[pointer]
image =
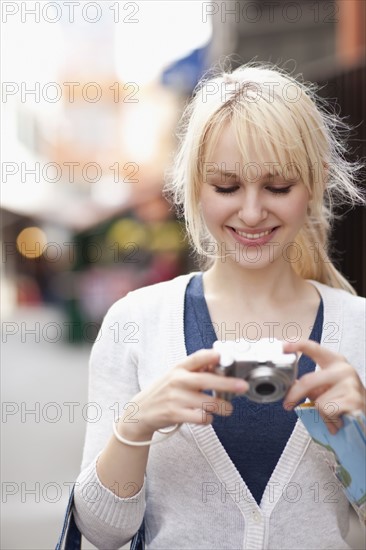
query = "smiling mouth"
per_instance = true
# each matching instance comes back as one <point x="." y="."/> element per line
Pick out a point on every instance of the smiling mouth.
<point x="253" y="236"/>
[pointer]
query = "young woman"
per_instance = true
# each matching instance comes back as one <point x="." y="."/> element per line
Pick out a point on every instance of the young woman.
<point x="257" y="175"/>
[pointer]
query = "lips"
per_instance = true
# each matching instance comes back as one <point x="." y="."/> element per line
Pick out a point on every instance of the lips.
<point x="253" y="237"/>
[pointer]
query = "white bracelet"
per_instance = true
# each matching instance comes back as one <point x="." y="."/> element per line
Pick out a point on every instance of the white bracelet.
<point x="166" y="431"/>
<point x="169" y="430"/>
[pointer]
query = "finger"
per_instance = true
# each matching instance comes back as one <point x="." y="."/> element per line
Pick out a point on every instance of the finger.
<point x="200" y="381"/>
<point x="196" y="416"/>
<point x="200" y="359"/>
<point x="331" y="413"/>
<point x="331" y="409"/>
<point x="218" y="407"/>
<point x="320" y="355"/>
<point x="335" y="426"/>
<point x="339" y="400"/>
<point x="199" y="416"/>
<point x="208" y="404"/>
<point x="313" y="384"/>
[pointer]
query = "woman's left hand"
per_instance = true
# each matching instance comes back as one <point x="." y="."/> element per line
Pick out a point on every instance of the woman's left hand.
<point x="336" y="388"/>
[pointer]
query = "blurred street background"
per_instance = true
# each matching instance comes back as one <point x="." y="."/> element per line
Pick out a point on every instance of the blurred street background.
<point x="91" y="96"/>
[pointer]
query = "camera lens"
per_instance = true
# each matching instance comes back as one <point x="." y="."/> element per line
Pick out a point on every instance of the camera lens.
<point x="265" y="388"/>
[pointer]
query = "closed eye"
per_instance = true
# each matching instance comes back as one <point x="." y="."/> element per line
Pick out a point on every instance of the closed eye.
<point x="233" y="188"/>
<point x="279" y="190"/>
<point x="226" y="190"/>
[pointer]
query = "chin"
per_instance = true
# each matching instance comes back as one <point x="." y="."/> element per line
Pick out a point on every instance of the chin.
<point x="251" y="260"/>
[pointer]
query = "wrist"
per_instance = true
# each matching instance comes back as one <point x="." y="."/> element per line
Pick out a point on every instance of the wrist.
<point x="134" y="431"/>
<point x="136" y="442"/>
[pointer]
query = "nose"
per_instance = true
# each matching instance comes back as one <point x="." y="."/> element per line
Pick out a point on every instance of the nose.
<point x="252" y="210"/>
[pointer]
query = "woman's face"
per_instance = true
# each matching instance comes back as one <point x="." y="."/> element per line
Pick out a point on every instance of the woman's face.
<point x="253" y="211"/>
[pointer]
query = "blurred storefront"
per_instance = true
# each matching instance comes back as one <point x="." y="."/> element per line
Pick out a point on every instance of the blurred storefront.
<point x="84" y="220"/>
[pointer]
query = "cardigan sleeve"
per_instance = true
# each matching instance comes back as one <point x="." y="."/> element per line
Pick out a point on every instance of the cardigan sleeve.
<point x="105" y="519"/>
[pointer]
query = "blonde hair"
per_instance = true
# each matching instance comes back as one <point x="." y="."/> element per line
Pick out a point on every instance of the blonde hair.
<point x="293" y="123"/>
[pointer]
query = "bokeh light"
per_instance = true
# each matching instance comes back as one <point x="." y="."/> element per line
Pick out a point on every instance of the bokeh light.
<point x="31" y="242"/>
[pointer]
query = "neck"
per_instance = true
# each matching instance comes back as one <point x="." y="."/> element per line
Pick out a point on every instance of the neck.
<point x="273" y="285"/>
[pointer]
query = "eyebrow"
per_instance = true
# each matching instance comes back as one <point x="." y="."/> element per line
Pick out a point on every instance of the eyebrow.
<point x="227" y="173"/>
<point x="230" y="174"/>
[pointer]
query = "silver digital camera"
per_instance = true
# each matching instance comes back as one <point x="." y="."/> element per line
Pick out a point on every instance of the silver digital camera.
<point x="268" y="371"/>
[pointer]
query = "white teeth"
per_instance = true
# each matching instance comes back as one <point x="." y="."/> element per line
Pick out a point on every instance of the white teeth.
<point x="253" y="235"/>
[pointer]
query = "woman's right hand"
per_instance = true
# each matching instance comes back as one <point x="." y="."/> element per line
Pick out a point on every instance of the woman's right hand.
<point x="177" y="397"/>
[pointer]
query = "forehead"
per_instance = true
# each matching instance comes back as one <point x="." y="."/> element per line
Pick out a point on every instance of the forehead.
<point x="227" y="149"/>
<point x="245" y="153"/>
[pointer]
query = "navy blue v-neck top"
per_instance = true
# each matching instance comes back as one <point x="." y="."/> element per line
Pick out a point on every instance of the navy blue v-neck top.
<point x="254" y="435"/>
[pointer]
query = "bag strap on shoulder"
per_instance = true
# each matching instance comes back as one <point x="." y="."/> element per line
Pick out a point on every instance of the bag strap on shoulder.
<point x="69" y="529"/>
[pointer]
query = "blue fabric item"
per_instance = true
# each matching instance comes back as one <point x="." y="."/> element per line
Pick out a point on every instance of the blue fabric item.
<point x="183" y="74"/>
<point x="255" y="435"/>
<point x="70" y="534"/>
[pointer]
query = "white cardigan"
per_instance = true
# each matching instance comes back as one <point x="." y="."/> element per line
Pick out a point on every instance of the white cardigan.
<point x="193" y="497"/>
